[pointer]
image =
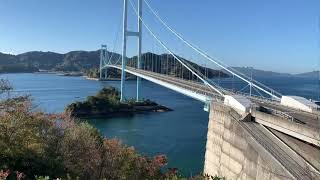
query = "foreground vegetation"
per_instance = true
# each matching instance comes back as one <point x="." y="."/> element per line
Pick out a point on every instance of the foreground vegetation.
<point x="35" y="145"/>
<point x="106" y="103"/>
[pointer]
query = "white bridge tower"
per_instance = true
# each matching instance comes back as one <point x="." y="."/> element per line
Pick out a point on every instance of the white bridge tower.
<point x="127" y="33"/>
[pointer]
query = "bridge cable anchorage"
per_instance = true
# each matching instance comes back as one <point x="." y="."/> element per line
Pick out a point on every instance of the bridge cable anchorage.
<point x="167" y="49"/>
<point x="219" y="63"/>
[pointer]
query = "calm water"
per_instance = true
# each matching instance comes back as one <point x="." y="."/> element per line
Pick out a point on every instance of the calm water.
<point x="180" y="134"/>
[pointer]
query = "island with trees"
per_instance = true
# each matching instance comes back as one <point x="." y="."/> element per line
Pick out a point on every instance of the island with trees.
<point x="106" y="103"/>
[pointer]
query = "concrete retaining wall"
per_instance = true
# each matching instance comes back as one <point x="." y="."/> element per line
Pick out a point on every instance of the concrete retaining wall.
<point x="232" y="153"/>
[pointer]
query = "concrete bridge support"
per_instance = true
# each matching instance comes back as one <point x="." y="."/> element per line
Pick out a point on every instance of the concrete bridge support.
<point x="231" y="152"/>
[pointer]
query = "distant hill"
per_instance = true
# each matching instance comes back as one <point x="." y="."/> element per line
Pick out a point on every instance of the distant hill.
<point x="313" y="75"/>
<point x="260" y="73"/>
<point x="166" y="64"/>
<point x="7" y="59"/>
<point x="88" y="62"/>
<point x="35" y="60"/>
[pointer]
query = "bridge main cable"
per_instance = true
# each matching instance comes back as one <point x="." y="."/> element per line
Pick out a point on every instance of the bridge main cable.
<point x="167" y="49"/>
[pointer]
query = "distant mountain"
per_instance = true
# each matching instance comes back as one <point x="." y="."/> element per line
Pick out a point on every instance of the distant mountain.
<point x="313" y="75"/>
<point x="166" y="64"/>
<point x="6" y="59"/>
<point x="88" y="62"/>
<point x="35" y="60"/>
<point x="260" y="73"/>
<point x="41" y="60"/>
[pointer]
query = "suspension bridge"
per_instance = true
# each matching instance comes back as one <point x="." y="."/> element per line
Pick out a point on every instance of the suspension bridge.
<point x="253" y="133"/>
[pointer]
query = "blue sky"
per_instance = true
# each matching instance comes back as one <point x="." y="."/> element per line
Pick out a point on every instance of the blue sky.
<point x="278" y="35"/>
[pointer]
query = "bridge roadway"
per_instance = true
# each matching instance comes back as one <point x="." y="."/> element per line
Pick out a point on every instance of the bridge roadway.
<point x="308" y="119"/>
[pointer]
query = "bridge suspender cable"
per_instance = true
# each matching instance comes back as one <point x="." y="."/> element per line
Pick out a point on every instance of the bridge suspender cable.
<point x="204" y="54"/>
<point x="166" y="48"/>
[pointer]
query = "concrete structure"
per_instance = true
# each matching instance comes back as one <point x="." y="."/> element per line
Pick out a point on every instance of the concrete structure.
<point x="299" y="103"/>
<point x="302" y="131"/>
<point x="240" y="148"/>
<point x="239" y="103"/>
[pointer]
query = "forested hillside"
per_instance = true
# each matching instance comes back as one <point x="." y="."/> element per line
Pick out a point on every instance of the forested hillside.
<point x="88" y="62"/>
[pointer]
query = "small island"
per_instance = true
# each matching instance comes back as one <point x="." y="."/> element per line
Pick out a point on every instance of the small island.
<point x="106" y="103"/>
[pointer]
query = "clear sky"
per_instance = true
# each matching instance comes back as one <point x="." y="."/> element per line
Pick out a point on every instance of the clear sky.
<point x="279" y="35"/>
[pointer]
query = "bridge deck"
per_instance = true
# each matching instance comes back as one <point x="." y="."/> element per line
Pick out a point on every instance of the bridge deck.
<point x="308" y="119"/>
